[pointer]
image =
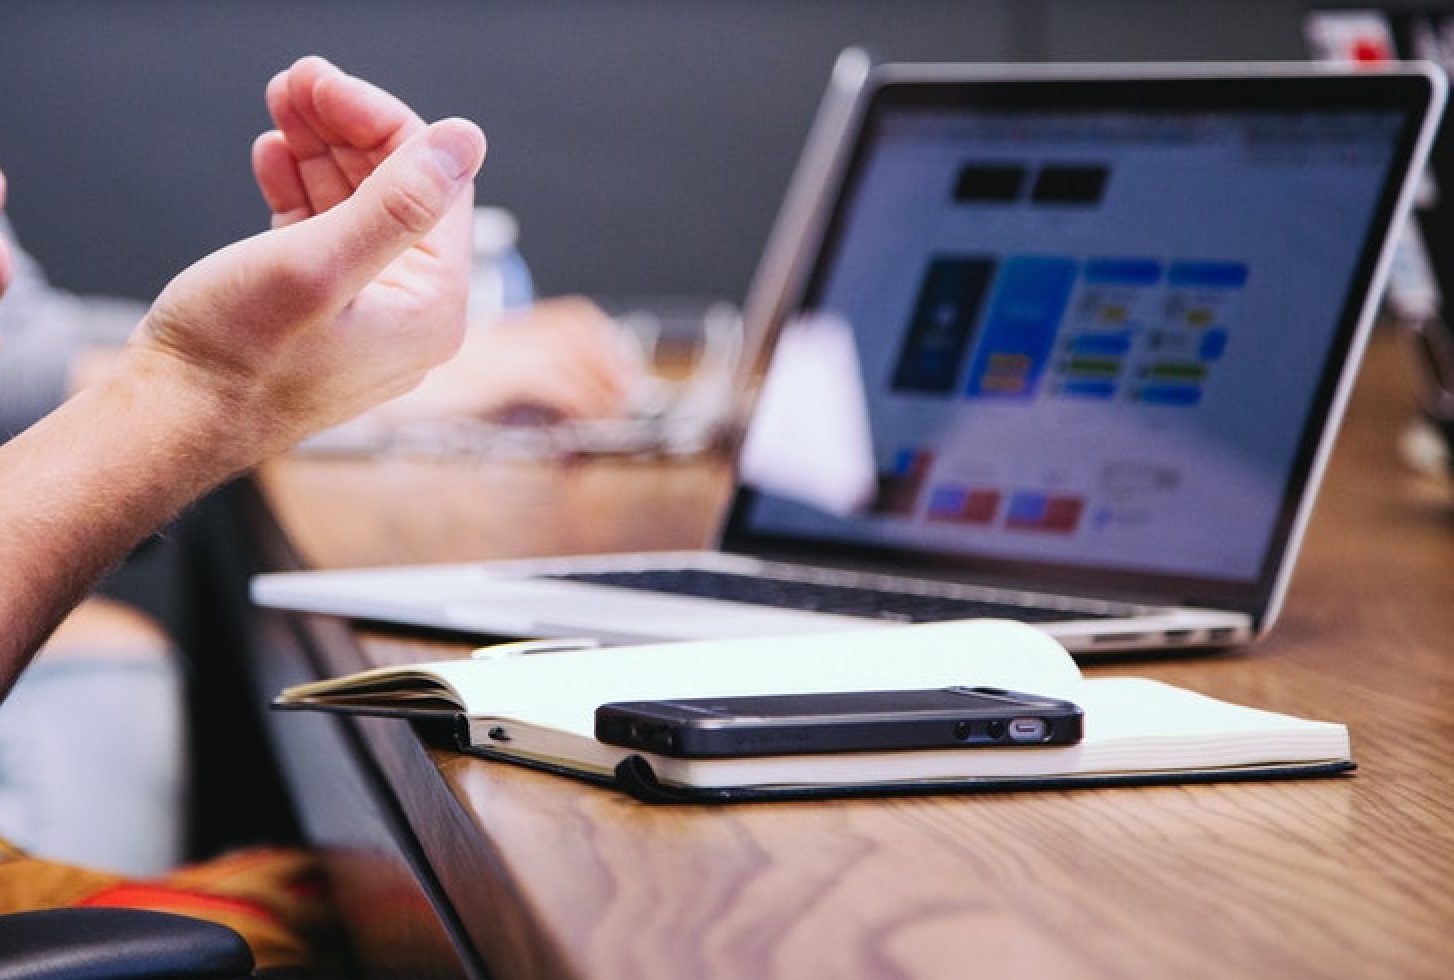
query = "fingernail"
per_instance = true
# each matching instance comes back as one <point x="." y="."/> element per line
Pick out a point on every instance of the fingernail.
<point x="456" y="147"/>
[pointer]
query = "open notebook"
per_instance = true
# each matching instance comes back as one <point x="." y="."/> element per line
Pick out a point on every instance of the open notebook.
<point x="539" y="709"/>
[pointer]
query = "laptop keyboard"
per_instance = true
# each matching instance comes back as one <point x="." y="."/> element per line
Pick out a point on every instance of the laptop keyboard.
<point x="843" y="600"/>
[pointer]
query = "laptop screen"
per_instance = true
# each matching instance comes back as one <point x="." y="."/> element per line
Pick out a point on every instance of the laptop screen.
<point x="1099" y="326"/>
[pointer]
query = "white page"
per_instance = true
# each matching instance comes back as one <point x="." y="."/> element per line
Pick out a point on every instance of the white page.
<point x="563" y="690"/>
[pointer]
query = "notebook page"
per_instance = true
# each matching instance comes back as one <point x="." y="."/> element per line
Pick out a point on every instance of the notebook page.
<point x="1132" y="723"/>
<point x="562" y="690"/>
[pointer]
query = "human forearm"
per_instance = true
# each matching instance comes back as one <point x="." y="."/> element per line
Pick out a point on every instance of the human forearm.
<point x="82" y="486"/>
<point x="354" y="295"/>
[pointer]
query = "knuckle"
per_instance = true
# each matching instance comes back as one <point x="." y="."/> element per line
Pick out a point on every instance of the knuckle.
<point x="411" y="205"/>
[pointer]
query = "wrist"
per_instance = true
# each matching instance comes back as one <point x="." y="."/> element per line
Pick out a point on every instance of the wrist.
<point x="181" y="414"/>
<point x="89" y="365"/>
<point x="85" y="483"/>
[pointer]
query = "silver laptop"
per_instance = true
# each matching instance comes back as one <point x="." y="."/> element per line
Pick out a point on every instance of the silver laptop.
<point x="1106" y="320"/>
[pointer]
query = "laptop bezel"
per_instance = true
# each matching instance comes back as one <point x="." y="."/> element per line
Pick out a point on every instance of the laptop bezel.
<point x="1417" y="89"/>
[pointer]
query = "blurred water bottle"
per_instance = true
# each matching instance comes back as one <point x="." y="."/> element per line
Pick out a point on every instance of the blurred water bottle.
<point x="499" y="278"/>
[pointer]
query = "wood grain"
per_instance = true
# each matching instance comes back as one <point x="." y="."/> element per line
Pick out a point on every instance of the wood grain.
<point x="1322" y="878"/>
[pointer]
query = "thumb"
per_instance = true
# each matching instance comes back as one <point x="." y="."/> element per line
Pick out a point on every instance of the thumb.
<point x="398" y="205"/>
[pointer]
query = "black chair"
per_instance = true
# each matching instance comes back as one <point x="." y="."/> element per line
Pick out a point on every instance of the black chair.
<point x="124" y="944"/>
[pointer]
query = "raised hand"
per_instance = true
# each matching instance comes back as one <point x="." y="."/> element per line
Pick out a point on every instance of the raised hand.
<point x="360" y="287"/>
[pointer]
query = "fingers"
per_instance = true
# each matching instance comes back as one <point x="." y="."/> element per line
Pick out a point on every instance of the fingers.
<point x="302" y="139"/>
<point x="303" y="78"/>
<point x="358" y="123"/>
<point x="399" y="205"/>
<point x="599" y="347"/>
<point x="580" y="392"/>
<point x="577" y="365"/>
<point x="291" y="106"/>
<point x="368" y="123"/>
<point x="599" y="383"/>
<point x="276" y="170"/>
<point x="337" y="127"/>
<point x="551" y="380"/>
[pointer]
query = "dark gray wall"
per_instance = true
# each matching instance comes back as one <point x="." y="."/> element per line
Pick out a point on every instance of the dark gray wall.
<point x="644" y="143"/>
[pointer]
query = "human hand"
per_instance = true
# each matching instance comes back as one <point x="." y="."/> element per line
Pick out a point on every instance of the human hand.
<point x="357" y="291"/>
<point x="563" y="357"/>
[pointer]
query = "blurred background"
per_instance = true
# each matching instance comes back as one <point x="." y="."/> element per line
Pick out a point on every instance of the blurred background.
<point x="644" y="145"/>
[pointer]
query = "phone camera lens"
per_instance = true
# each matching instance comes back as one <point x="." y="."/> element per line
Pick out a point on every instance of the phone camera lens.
<point x="995" y="730"/>
<point x="962" y="731"/>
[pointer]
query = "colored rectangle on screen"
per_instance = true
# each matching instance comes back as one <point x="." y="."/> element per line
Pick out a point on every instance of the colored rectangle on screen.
<point x="1208" y="275"/>
<point x="1075" y="185"/>
<point x="1177" y="371"/>
<point x="1213" y="345"/>
<point x="945" y="501"/>
<point x="1171" y="395"/>
<point x="1089" y="389"/>
<point x="1122" y="272"/>
<point x="1101" y="344"/>
<point x="1062" y="514"/>
<point x="1103" y="367"/>
<point x="1031" y="511"/>
<point x="944" y="319"/>
<point x="1026" y="509"/>
<point x="990" y="183"/>
<point x="1019" y="332"/>
<point x="962" y="505"/>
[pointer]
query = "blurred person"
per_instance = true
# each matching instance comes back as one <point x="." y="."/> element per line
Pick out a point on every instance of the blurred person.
<point x="561" y="357"/>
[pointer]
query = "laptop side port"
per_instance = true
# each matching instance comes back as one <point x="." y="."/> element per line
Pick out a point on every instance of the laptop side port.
<point x="1107" y="639"/>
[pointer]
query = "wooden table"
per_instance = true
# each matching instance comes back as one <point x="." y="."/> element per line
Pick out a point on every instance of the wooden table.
<point x="451" y="865"/>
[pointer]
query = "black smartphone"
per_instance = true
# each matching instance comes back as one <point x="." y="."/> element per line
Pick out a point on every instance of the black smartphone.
<point x="850" y="721"/>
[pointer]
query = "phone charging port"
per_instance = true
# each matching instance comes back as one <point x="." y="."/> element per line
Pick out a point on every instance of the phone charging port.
<point x="1028" y="729"/>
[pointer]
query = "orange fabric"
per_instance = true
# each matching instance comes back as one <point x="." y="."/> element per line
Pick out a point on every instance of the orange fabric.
<point x="272" y="897"/>
<point x="178" y="900"/>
